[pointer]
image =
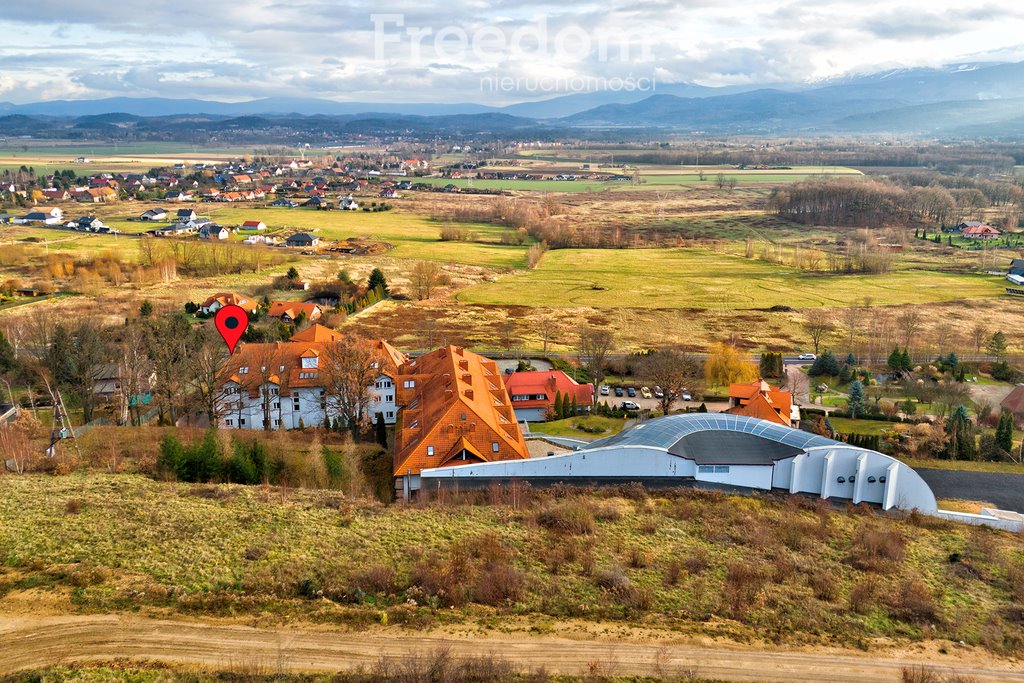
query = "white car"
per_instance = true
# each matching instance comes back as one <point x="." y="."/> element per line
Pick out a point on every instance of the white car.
<point x="604" y="390"/>
<point x="630" y="405"/>
<point x="686" y="396"/>
<point x="806" y="356"/>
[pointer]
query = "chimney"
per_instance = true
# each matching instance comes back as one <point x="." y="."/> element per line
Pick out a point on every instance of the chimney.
<point x="469" y="393"/>
<point x="467" y="378"/>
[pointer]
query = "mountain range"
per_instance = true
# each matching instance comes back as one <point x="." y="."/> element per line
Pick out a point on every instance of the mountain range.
<point x="985" y="99"/>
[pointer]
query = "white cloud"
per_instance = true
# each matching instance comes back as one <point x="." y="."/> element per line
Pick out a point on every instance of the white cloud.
<point x="222" y="49"/>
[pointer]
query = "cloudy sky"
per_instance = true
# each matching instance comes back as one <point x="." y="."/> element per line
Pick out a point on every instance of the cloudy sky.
<point x="450" y="51"/>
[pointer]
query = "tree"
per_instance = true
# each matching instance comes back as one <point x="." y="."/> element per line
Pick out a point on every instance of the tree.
<point x="348" y="369"/>
<point x="205" y="368"/>
<point x="996" y="345"/>
<point x="979" y="333"/>
<point x="376" y="280"/>
<point x="558" y="409"/>
<point x="960" y="436"/>
<point x="146" y="308"/>
<point x="293" y="273"/>
<point x="725" y="365"/>
<point x="855" y="400"/>
<point x="426" y="275"/>
<point x="910" y="321"/>
<point x="824" y="365"/>
<point x="90" y="354"/>
<point x="772" y="364"/>
<point x="381" y="431"/>
<point x="170" y="343"/>
<point x="672" y="371"/>
<point x="8" y="361"/>
<point x="905" y="363"/>
<point x="895" y="361"/>
<point x="592" y="350"/>
<point x="1004" y="431"/>
<point x="818" y="325"/>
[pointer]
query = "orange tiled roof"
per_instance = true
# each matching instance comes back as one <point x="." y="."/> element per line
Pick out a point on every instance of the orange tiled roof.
<point x="281" y="362"/>
<point x="231" y="299"/>
<point x="548" y="383"/>
<point x="761" y="400"/>
<point x="457" y="407"/>
<point x="292" y="309"/>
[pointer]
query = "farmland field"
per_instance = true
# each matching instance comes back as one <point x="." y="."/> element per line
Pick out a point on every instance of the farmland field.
<point x="690" y="278"/>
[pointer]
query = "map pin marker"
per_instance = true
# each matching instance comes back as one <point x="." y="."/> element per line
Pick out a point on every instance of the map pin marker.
<point x="231" y="322"/>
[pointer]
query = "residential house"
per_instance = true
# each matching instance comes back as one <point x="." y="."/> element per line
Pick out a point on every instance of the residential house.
<point x="1014" y="403"/>
<point x="259" y="239"/>
<point x="54" y="194"/>
<point x="176" y="230"/>
<point x="282" y="203"/>
<point x="254" y="225"/>
<point x="761" y="400"/>
<point x="318" y="203"/>
<point x="963" y="225"/>
<point x="302" y="239"/>
<point x="42" y="214"/>
<point x="153" y="215"/>
<point x="286" y="383"/>
<point x="454" y="410"/>
<point x="1016" y="267"/>
<point x="980" y="232"/>
<point x="87" y="223"/>
<point x="96" y="195"/>
<point x="213" y="232"/>
<point x="186" y="215"/>
<point x="289" y="311"/>
<point x="222" y="299"/>
<point x="348" y="203"/>
<point x="179" y="196"/>
<point x="533" y="394"/>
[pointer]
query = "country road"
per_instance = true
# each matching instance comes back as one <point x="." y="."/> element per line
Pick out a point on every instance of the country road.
<point x="34" y="642"/>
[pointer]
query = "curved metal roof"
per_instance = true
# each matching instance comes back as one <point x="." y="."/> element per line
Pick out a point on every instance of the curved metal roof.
<point x="665" y="432"/>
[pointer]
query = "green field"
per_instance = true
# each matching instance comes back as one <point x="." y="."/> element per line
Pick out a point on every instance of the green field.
<point x="693" y="278"/>
<point x="649" y="179"/>
<point x="570" y="427"/>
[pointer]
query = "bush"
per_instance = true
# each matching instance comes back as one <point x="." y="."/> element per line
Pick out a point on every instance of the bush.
<point x="913" y="601"/>
<point x="612" y="579"/>
<point x="875" y="548"/>
<point x="498" y="585"/>
<point x="379" y="579"/>
<point x="863" y="595"/>
<point x="743" y="583"/>
<point x="567" y="518"/>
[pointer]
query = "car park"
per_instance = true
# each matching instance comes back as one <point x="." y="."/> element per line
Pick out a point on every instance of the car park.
<point x="630" y="405"/>
<point x="806" y="356"/>
<point x="618" y="391"/>
<point x="645" y="392"/>
<point x="631" y="392"/>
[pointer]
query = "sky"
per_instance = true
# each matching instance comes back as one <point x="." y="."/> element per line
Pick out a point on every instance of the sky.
<point x="486" y="51"/>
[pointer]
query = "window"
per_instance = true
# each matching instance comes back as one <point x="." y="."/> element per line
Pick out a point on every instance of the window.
<point x="308" y="375"/>
<point x="430" y="451"/>
<point x="410" y="383"/>
<point x="390" y="398"/>
<point x="229" y="423"/>
<point x="312" y="362"/>
<point x="242" y="422"/>
<point x="295" y="403"/>
<point x="387" y="384"/>
<point x="276" y="406"/>
<point x="281" y="369"/>
<point x="277" y="423"/>
<point x="713" y="469"/>
<point x="391" y="414"/>
<point x="495" y="446"/>
<point x="244" y="370"/>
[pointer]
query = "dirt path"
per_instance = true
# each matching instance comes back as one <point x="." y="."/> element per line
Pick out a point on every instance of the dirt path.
<point x="33" y="642"/>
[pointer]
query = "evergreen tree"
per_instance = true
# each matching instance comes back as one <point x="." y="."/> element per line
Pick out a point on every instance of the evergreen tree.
<point x="844" y="374"/>
<point x="851" y="359"/>
<point x="381" y="431"/>
<point x="825" y="364"/>
<point x="557" y="410"/>
<point x="7" y="360"/>
<point x="905" y="363"/>
<point x="702" y="408"/>
<point x="293" y="273"/>
<point x="895" y="361"/>
<point x="574" y="408"/>
<point x="146" y="308"/>
<point x="855" y="401"/>
<point x="376" y="280"/>
<point x="996" y="345"/>
<point x="60" y="357"/>
<point x="1004" y="431"/>
<point x="960" y="436"/>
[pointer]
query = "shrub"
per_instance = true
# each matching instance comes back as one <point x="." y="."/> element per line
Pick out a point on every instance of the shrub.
<point x="743" y="583"/>
<point x="672" y="572"/>
<point x="863" y="595"/>
<point x="497" y="585"/>
<point x="874" y="548"/>
<point x="913" y="601"/>
<point x="378" y="579"/>
<point x="824" y="585"/>
<point x="567" y="518"/>
<point x="612" y="578"/>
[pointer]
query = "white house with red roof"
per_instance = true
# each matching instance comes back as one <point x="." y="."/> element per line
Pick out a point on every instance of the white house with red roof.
<point x="534" y="393"/>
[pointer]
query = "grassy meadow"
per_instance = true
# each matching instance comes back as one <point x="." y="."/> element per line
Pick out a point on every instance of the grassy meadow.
<point x="701" y="563"/>
<point x="699" y="279"/>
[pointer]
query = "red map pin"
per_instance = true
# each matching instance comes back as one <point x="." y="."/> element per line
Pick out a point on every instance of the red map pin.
<point x="231" y="322"/>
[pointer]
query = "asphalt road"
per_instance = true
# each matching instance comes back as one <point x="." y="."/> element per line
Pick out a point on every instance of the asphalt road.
<point x="1005" y="491"/>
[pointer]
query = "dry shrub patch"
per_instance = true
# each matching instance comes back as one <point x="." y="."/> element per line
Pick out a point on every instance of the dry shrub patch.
<point x="875" y="548"/>
<point x="570" y="517"/>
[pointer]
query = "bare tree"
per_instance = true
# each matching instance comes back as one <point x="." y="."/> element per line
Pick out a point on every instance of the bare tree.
<point x="819" y="325"/>
<point x="133" y="368"/>
<point x="170" y="343"/>
<point x="909" y="322"/>
<point x="207" y="365"/>
<point x="426" y="275"/>
<point x="592" y="350"/>
<point x="507" y="330"/>
<point x="979" y="333"/>
<point x="546" y="329"/>
<point x="673" y="372"/>
<point x="349" y="368"/>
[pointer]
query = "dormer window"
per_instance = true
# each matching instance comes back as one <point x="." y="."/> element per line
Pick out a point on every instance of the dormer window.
<point x="311" y="362"/>
<point x="243" y="370"/>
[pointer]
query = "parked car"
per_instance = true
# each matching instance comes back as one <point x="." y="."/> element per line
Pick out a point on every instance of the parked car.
<point x="631" y="392"/>
<point x="604" y="390"/>
<point x="630" y="405"/>
<point x="645" y="392"/>
<point x="806" y="356"/>
<point x="658" y="393"/>
<point x="618" y="391"/>
<point x="686" y="396"/>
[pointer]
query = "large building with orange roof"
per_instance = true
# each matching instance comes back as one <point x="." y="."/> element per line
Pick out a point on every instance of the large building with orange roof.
<point x="221" y="299"/>
<point x="455" y="410"/>
<point x="761" y="400"/>
<point x="283" y="383"/>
